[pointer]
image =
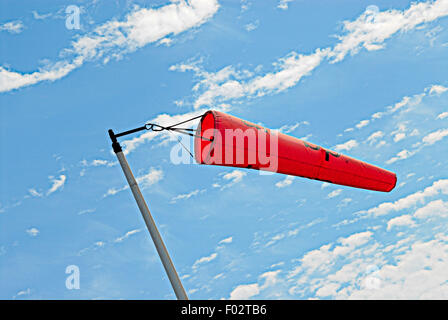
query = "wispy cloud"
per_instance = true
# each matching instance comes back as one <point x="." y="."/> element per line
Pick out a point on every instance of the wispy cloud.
<point x="334" y="193"/>
<point x="13" y="27"/>
<point x="98" y="163"/>
<point x="246" y="291"/>
<point x="32" y="231"/>
<point x="375" y="136"/>
<point x="362" y="124"/>
<point x="440" y="186"/>
<point x="252" y="26"/>
<point x="443" y="115"/>
<point x="358" y="267"/>
<point x="404" y="220"/>
<point x="22" y="293"/>
<point x="346" y="146"/>
<point x="86" y="211"/>
<point x="287" y="128"/>
<point x="35" y="193"/>
<point x="146" y="180"/>
<point x="206" y="259"/>
<point x="369" y="31"/>
<point x="285" y="182"/>
<point x="437" y="89"/>
<point x="43" y="16"/>
<point x="435" y="136"/>
<point x="427" y="140"/>
<point x="284" y="4"/>
<point x="113" y="39"/>
<point x="186" y="196"/>
<point x="58" y="183"/>
<point x="236" y="176"/>
<point x="226" y="240"/>
<point x="97" y="245"/>
<point x="127" y="235"/>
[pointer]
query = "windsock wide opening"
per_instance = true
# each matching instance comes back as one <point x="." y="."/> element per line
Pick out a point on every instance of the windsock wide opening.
<point x="203" y="147"/>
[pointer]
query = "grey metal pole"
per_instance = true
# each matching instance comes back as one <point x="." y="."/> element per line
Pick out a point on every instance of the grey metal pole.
<point x="150" y="223"/>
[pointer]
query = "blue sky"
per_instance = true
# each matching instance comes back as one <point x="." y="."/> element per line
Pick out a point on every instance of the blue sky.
<point x="367" y="79"/>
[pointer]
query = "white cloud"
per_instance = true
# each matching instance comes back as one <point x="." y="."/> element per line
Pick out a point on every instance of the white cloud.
<point x="435" y="136"/>
<point x="346" y="145"/>
<point x="114" y="191"/>
<point x="99" y="244"/>
<point x="277" y="237"/>
<point x="35" y="193"/>
<point x="226" y="240"/>
<point x="245" y="5"/>
<point x="359" y="269"/>
<point x="375" y="136"/>
<point x="419" y="273"/>
<point x="437" y="89"/>
<point x="115" y="38"/>
<point x="228" y="84"/>
<point x="357" y="239"/>
<point x="285" y="182"/>
<point x="26" y="292"/>
<point x="321" y="259"/>
<point x="427" y="140"/>
<point x="235" y="177"/>
<point x="12" y="27"/>
<point x="402" y="155"/>
<point x="334" y="193"/>
<point x="433" y="208"/>
<point x="206" y="259"/>
<point x="98" y="163"/>
<point x="86" y="211"/>
<point x="362" y="124"/>
<point x="284" y="4"/>
<point x="10" y="80"/>
<point x="380" y="144"/>
<point x="325" y="185"/>
<point x="127" y="235"/>
<point x="32" y="232"/>
<point x="440" y="186"/>
<point x="290" y="128"/>
<point x="153" y="176"/>
<point x="58" y="183"/>
<point x="372" y="28"/>
<point x="404" y="220"/>
<point x="186" y="196"/>
<point x="344" y="202"/>
<point x="39" y="16"/>
<point x="245" y="291"/>
<point x="399" y="136"/>
<point x="252" y="26"/>
<point x="443" y="115"/>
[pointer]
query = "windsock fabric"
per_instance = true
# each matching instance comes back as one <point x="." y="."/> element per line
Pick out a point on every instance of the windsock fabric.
<point x="239" y="143"/>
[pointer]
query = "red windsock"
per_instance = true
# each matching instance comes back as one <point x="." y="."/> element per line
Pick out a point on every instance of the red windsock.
<point x="225" y="140"/>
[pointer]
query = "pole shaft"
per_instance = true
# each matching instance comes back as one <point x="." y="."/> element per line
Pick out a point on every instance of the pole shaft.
<point x="152" y="228"/>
